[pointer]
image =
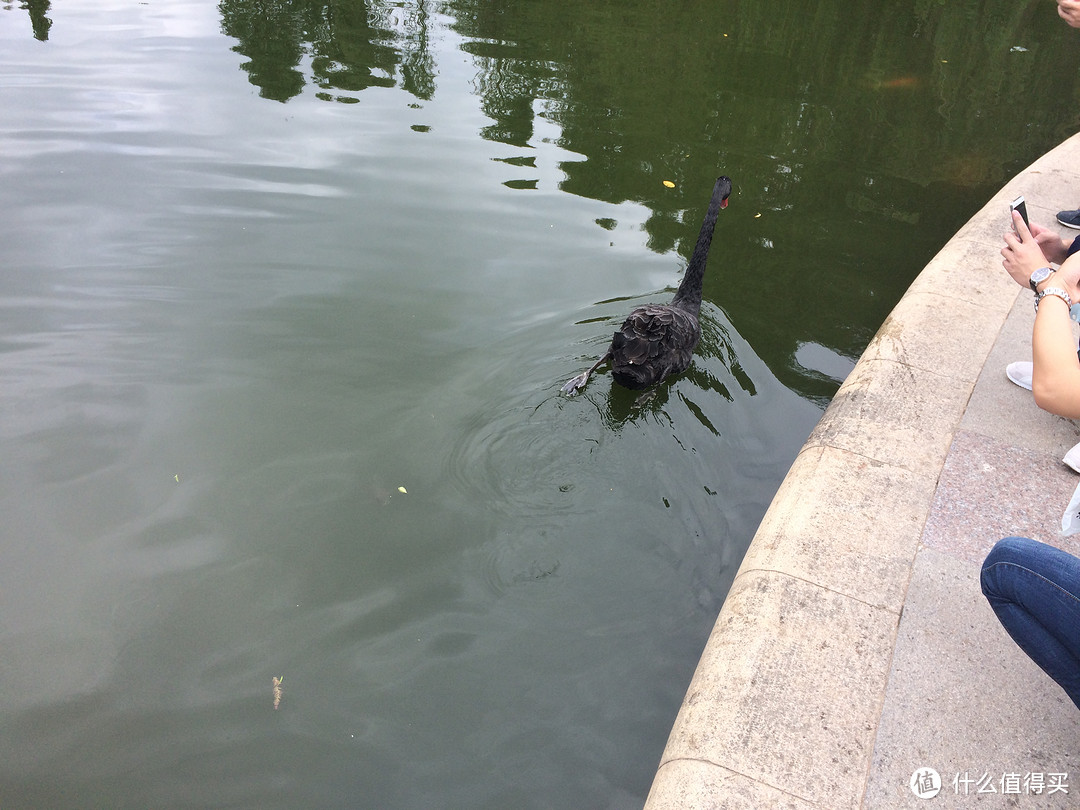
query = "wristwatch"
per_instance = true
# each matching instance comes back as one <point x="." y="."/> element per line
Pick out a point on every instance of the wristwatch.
<point x="1039" y="276"/>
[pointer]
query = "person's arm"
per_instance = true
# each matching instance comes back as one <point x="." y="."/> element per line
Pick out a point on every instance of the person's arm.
<point x="1056" y="369"/>
<point x="1055" y="379"/>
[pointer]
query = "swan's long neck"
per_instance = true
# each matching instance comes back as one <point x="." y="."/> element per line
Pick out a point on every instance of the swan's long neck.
<point x="688" y="296"/>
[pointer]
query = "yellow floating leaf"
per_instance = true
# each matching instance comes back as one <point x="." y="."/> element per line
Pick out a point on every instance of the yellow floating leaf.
<point x="403" y="491"/>
<point x="757" y="215"/>
<point x="177" y="477"/>
<point x="669" y="184"/>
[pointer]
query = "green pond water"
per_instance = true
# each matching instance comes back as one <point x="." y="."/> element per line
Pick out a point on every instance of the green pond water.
<point x="287" y="294"/>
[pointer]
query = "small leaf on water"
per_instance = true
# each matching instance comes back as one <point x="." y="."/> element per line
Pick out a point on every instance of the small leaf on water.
<point x="403" y="490"/>
<point x="669" y="184"/>
<point x="278" y="690"/>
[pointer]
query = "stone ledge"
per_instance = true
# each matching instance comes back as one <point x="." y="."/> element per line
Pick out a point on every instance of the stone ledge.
<point x="845" y="522"/>
<point x="779" y="638"/>
<point x="893" y="413"/>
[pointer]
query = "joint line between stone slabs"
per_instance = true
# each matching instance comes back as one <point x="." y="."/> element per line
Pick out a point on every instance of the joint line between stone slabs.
<point x="913" y="367"/>
<point x="735" y="772"/>
<point x="841" y="594"/>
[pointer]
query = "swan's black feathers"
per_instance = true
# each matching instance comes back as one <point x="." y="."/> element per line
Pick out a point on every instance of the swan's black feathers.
<point x="658" y="340"/>
<point x="654" y="342"/>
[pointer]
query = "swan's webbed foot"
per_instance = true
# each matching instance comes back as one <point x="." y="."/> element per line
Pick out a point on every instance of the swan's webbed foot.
<point x="577" y="383"/>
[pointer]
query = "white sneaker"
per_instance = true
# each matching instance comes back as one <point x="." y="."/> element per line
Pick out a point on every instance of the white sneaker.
<point x="1072" y="459"/>
<point x="1020" y="373"/>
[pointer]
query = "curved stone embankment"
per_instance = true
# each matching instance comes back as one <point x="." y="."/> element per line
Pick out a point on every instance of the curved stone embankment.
<point x="785" y="706"/>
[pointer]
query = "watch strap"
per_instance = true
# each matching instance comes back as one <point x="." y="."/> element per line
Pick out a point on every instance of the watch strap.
<point x="1057" y="292"/>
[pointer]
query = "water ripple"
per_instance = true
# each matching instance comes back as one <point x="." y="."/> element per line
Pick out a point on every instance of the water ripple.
<point x="524" y="461"/>
<point x="530" y="559"/>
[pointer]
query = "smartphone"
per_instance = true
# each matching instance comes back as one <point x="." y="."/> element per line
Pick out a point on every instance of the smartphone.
<point x="1019" y="205"/>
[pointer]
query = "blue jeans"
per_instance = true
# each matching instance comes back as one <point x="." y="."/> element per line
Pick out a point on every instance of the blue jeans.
<point x="1035" y="591"/>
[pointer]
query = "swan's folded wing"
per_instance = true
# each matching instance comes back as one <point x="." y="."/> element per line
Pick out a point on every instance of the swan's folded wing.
<point x="654" y="332"/>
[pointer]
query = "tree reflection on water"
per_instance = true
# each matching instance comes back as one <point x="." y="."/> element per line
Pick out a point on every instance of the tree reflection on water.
<point x="860" y="127"/>
<point x="350" y="46"/>
<point x="38" y="20"/>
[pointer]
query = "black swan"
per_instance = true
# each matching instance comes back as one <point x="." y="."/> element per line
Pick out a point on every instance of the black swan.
<point x="658" y="340"/>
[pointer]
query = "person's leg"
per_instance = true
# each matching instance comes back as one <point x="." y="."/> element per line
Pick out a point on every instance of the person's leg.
<point x="1035" y="591"/>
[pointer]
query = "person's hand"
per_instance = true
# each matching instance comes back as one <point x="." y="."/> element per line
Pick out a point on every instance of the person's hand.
<point x="1053" y="246"/>
<point x="1022" y="254"/>
<point x="1069" y="11"/>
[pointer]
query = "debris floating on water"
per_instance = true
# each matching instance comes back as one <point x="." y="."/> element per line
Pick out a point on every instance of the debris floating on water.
<point x="278" y="691"/>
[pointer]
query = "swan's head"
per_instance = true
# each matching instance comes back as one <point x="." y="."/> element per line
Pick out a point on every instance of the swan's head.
<point x="723" y="186"/>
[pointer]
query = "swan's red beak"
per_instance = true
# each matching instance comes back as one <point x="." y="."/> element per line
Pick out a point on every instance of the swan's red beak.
<point x="723" y="203"/>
